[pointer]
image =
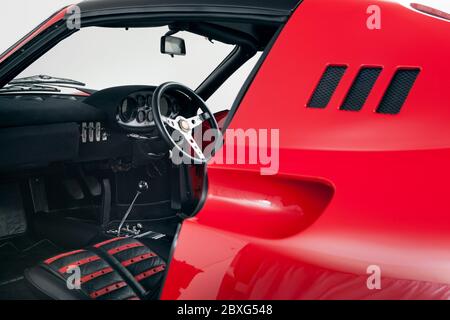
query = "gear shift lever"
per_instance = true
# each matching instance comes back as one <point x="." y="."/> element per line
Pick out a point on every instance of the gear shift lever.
<point x="142" y="187"/>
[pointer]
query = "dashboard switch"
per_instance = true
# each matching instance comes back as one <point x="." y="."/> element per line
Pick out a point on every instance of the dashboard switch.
<point x="98" y="132"/>
<point x="84" y="132"/>
<point x="91" y="132"/>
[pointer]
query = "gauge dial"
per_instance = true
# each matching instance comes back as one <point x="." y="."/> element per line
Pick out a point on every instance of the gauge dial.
<point x="141" y="116"/>
<point x="126" y="109"/>
<point x="141" y="101"/>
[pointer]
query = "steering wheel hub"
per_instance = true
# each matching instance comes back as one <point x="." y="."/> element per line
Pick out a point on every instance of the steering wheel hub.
<point x="184" y="125"/>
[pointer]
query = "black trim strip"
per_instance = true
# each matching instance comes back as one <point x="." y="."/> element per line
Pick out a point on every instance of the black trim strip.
<point x="30" y="33"/>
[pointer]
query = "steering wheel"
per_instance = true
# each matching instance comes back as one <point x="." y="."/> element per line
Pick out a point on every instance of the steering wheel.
<point x="185" y="126"/>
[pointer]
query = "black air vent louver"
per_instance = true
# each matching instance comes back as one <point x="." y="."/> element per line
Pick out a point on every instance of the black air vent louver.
<point x="398" y="91"/>
<point x="326" y="87"/>
<point x="360" y="89"/>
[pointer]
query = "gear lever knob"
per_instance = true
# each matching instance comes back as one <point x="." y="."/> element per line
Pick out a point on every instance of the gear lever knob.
<point x="142" y="186"/>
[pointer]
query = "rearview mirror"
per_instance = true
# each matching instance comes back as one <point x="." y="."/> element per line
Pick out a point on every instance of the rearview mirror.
<point x="173" y="46"/>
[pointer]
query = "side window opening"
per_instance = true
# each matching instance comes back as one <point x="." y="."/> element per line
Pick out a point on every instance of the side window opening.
<point x="223" y="98"/>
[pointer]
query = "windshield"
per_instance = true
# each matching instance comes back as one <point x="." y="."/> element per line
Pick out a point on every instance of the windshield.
<point x="107" y="57"/>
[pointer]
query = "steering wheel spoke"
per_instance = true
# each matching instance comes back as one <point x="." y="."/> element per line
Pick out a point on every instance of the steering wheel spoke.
<point x="170" y="122"/>
<point x="194" y="145"/>
<point x="198" y="120"/>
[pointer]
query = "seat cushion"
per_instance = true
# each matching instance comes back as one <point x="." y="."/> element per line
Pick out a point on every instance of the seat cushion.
<point x="116" y="269"/>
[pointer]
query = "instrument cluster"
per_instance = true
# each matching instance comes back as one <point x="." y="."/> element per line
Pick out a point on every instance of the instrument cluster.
<point x="135" y="111"/>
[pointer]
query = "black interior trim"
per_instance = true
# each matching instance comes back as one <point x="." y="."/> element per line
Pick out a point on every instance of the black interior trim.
<point x="28" y="110"/>
<point x="38" y="145"/>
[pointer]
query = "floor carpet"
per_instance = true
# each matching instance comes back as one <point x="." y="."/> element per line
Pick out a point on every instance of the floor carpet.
<point x="16" y="256"/>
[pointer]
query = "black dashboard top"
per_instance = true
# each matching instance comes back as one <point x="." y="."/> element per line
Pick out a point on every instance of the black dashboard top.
<point x="32" y="110"/>
<point x="119" y="108"/>
<point x="20" y="110"/>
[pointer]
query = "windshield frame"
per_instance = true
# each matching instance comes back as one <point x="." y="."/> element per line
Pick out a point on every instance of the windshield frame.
<point x="54" y="18"/>
<point x="55" y="29"/>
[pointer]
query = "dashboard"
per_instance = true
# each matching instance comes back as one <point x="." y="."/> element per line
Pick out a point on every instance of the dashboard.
<point x="38" y="129"/>
<point x="135" y="110"/>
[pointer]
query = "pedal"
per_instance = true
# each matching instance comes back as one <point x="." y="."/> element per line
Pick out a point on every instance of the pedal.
<point x="94" y="186"/>
<point x="74" y="189"/>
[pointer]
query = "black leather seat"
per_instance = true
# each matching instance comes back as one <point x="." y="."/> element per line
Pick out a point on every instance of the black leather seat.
<point x="116" y="269"/>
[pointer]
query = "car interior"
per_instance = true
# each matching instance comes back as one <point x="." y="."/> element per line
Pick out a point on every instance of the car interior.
<point x="89" y="174"/>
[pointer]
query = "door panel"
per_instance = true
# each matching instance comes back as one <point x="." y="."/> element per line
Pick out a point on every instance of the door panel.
<point x="387" y="172"/>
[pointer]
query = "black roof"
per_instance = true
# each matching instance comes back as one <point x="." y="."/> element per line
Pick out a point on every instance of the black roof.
<point x="277" y="7"/>
<point x="246" y="22"/>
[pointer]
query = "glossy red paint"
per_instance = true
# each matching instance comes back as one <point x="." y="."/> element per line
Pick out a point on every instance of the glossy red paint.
<point x="378" y="183"/>
<point x="51" y="21"/>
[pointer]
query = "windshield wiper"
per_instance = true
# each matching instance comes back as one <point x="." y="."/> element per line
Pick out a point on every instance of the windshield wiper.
<point x="28" y="88"/>
<point x="40" y="83"/>
<point x="44" y="79"/>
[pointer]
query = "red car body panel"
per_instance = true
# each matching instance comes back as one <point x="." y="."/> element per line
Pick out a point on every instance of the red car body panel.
<point x="354" y="189"/>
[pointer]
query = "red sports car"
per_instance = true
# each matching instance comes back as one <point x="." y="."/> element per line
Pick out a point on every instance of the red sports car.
<point x="324" y="179"/>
